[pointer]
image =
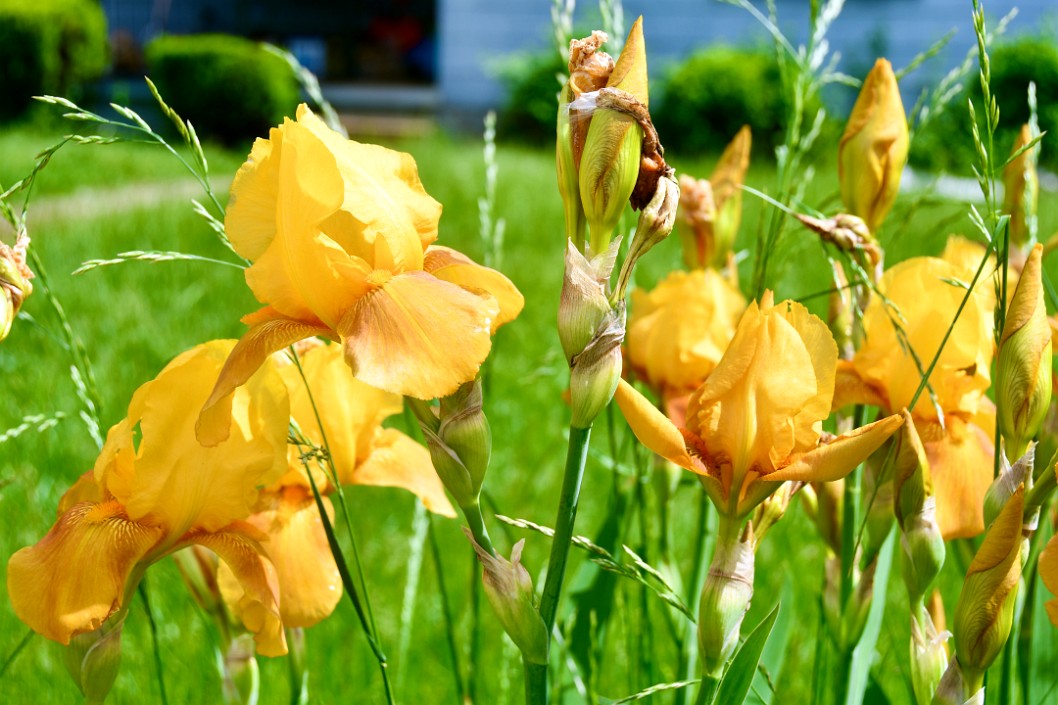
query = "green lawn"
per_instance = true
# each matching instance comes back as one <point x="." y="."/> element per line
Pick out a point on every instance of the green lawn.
<point x="134" y="317"/>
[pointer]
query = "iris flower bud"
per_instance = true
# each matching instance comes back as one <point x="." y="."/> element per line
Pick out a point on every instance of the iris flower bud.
<point x="1023" y="374"/>
<point x="509" y="590"/>
<point x="93" y="659"/>
<point x="985" y="610"/>
<point x="873" y="150"/>
<point x="1021" y="188"/>
<point x="725" y="599"/>
<point x="916" y="513"/>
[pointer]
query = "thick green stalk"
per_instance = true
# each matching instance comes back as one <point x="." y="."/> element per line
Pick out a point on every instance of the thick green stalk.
<point x="690" y="639"/>
<point x="476" y="523"/>
<point x="576" y="457"/>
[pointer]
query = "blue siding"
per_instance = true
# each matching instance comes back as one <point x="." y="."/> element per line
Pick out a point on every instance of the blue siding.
<point x="474" y="33"/>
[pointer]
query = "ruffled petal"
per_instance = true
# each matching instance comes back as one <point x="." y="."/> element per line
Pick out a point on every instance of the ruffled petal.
<point x="398" y="461"/>
<point x="183" y="485"/>
<point x="960" y="459"/>
<point x="75" y="577"/>
<point x="350" y="409"/>
<point x="417" y="335"/>
<point x="250" y="220"/>
<point x="249" y="354"/>
<point x="455" y="267"/>
<point x="836" y="459"/>
<point x="248" y="582"/>
<point x="309" y="583"/>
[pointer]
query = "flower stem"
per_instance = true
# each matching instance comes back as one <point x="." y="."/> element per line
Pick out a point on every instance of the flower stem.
<point x="576" y="457"/>
<point x="476" y="523"/>
<point x="694" y="589"/>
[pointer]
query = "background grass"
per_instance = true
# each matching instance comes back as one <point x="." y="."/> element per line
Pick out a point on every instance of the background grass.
<point x="134" y="317"/>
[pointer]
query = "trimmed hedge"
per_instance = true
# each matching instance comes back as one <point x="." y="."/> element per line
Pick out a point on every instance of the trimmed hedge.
<point x="230" y="88"/>
<point x="532" y="96"/>
<point x="710" y="95"/>
<point x="49" y="46"/>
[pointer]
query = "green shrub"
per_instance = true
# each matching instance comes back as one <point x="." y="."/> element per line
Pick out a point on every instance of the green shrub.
<point x="230" y="88"/>
<point x="947" y="143"/>
<point x="706" y="98"/>
<point x="532" y="96"/>
<point x="48" y="46"/>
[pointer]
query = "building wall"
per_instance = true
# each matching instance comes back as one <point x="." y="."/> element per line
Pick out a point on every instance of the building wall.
<point x="476" y="34"/>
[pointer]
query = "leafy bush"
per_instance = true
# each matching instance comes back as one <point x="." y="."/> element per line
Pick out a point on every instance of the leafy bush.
<point x="49" y="46"/>
<point x="1014" y="64"/>
<point x="532" y="96"/>
<point x="230" y="88"/>
<point x="711" y="94"/>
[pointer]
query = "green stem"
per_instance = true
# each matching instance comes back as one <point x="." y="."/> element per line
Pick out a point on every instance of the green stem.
<point x="446" y="611"/>
<point x="16" y="651"/>
<point x="576" y="458"/>
<point x="142" y="590"/>
<point x="689" y="662"/>
<point x="476" y="523"/>
<point x="707" y="691"/>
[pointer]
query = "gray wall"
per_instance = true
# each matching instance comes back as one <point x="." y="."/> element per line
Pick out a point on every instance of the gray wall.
<point x="476" y="34"/>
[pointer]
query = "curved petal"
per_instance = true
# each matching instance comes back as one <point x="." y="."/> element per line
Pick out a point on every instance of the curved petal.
<point x="250" y="220"/>
<point x="248" y="582"/>
<point x="86" y="489"/>
<point x="653" y="429"/>
<point x="836" y="459"/>
<point x="309" y="583"/>
<point x="849" y="388"/>
<point x="960" y="459"/>
<point x="183" y="485"/>
<point x="249" y="354"/>
<point x="398" y="461"/>
<point x="75" y="577"/>
<point x="1049" y="573"/>
<point x="455" y="267"/>
<point x="417" y="335"/>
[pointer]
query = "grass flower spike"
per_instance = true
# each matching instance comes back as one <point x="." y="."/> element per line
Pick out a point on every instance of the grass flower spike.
<point x="873" y="148"/>
<point x="340" y="235"/>
<point x="155" y="490"/>
<point x="756" y="421"/>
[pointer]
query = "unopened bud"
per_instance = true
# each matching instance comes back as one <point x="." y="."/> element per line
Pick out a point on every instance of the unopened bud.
<point x="985" y="610"/>
<point x="873" y="149"/>
<point x="915" y="508"/>
<point x="1010" y="478"/>
<point x="465" y="429"/>
<point x="726" y="596"/>
<point x="772" y="509"/>
<point x="1023" y="372"/>
<point x="1021" y="187"/>
<point x="929" y="656"/>
<point x="877" y="484"/>
<point x="849" y="234"/>
<point x="460" y="440"/>
<point x="509" y="590"/>
<point x="610" y="162"/>
<point x="846" y="622"/>
<point x="655" y="223"/>
<point x="94" y="658"/>
<point x="595" y="371"/>
<point x="241" y="681"/>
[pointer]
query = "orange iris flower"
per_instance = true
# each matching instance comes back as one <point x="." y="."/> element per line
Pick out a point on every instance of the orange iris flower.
<point x="363" y="453"/>
<point x="757" y="419"/>
<point x="959" y="446"/>
<point x="678" y="332"/>
<point x="155" y="490"/>
<point x="340" y="235"/>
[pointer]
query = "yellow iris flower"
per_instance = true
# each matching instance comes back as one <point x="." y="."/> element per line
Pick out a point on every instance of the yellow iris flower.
<point x="678" y="331"/>
<point x="340" y="235"/>
<point x="155" y="490"/>
<point x="757" y="419"/>
<point x="363" y="453"/>
<point x="882" y="373"/>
